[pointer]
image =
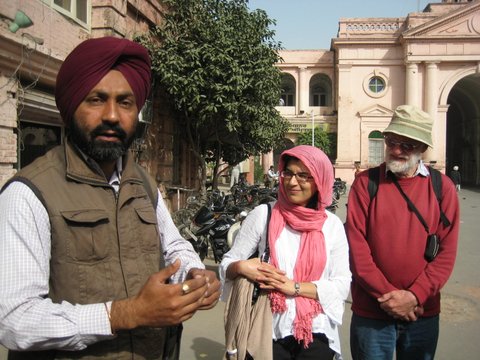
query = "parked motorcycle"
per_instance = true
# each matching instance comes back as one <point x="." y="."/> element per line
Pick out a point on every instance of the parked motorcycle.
<point x="249" y="196"/>
<point x="211" y="230"/>
<point x="334" y="205"/>
<point x="206" y="220"/>
<point x="340" y="186"/>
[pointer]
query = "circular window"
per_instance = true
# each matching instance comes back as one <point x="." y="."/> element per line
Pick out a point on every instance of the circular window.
<point x="375" y="85"/>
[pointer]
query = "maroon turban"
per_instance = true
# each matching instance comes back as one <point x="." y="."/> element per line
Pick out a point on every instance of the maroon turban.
<point x="90" y="61"/>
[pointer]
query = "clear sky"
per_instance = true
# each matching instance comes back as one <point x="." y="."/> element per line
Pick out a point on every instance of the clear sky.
<point x="311" y="24"/>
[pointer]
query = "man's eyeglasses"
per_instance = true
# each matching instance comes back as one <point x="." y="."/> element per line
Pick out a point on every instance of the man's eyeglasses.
<point x="301" y="177"/>
<point x="405" y="146"/>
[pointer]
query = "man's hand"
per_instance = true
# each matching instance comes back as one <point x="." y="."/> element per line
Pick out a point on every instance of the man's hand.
<point x="213" y="292"/>
<point x="401" y="304"/>
<point x="159" y="304"/>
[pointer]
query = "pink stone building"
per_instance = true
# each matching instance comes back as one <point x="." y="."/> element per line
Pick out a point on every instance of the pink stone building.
<point x="430" y="59"/>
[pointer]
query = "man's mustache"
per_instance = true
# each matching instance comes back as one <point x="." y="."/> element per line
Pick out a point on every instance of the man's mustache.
<point x="111" y="130"/>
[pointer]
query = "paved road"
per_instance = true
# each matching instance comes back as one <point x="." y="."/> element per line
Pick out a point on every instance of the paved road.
<point x="460" y="320"/>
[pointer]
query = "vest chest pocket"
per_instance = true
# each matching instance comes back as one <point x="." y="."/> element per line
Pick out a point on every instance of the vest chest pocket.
<point x="88" y="238"/>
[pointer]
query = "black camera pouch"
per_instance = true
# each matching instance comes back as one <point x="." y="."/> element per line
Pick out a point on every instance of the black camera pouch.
<point x="431" y="250"/>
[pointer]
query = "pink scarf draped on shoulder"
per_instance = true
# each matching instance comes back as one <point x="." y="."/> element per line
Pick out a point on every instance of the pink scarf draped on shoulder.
<point x="311" y="258"/>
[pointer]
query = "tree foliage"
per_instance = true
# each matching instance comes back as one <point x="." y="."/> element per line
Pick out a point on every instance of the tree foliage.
<point x="216" y="59"/>
<point x="322" y="140"/>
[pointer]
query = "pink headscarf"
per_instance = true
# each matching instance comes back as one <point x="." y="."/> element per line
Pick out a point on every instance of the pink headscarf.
<point x="90" y="61"/>
<point x="311" y="258"/>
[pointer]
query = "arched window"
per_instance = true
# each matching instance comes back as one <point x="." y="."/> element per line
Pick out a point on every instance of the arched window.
<point x="320" y="90"/>
<point x="376" y="150"/>
<point x="287" y="98"/>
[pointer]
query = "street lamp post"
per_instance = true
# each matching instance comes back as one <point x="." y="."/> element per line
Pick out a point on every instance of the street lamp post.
<point x="313" y="129"/>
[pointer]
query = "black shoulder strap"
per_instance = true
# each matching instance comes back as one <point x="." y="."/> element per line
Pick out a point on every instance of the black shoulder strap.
<point x="373" y="181"/>
<point x="436" y="177"/>
<point x="436" y="182"/>
<point x="264" y="258"/>
<point x="411" y="205"/>
<point x="266" y="254"/>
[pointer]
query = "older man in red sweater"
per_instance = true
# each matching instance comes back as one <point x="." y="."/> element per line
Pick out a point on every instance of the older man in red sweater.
<point x="396" y="287"/>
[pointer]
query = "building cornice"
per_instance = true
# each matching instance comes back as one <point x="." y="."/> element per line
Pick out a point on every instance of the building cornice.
<point x="28" y="61"/>
<point x="464" y="21"/>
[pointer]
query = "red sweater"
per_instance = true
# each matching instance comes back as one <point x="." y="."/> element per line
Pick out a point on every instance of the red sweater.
<point x="387" y="242"/>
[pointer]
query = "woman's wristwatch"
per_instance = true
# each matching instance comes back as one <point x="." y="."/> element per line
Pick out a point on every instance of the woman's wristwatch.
<point x="296" y="286"/>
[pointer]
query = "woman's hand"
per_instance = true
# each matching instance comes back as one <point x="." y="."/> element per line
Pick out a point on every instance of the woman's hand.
<point x="253" y="270"/>
<point x="273" y="279"/>
<point x="246" y="268"/>
<point x="250" y="269"/>
<point x="270" y="278"/>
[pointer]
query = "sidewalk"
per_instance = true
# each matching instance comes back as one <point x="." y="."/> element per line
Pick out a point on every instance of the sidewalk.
<point x="203" y="336"/>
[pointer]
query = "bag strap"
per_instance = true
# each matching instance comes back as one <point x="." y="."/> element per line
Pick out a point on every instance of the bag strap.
<point x="264" y="258"/>
<point x="411" y="206"/>
<point x="436" y="177"/>
<point x="373" y="181"/>
<point x="266" y="255"/>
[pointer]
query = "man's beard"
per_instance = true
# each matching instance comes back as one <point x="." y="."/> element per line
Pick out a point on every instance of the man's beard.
<point x="402" y="167"/>
<point x="101" y="151"/>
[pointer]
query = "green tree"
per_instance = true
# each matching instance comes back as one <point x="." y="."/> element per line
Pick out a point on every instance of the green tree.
<point x="216" y="59"/>
<point x="258" y="172"/>
<point x="322" y="140"/>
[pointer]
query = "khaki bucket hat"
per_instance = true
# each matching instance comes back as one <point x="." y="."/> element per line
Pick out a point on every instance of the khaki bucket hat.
<point x="413" y="123"/>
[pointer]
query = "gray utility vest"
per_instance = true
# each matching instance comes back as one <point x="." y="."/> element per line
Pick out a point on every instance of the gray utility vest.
<point x="104" y="246"/>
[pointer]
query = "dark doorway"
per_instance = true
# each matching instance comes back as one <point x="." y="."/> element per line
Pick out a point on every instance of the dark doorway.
<point x="463" y="129"/>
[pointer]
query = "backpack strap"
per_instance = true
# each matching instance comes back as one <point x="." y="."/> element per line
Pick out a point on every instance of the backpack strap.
<point x="373" y="181"/>
<point x="436" y="178"/>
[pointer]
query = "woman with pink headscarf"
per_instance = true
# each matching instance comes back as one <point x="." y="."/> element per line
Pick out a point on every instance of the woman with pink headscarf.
<point x="307" y="276"/>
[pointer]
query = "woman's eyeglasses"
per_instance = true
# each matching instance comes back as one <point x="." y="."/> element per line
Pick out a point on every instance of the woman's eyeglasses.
<point x="405" y="146"/>
<point x="301" y="177"/>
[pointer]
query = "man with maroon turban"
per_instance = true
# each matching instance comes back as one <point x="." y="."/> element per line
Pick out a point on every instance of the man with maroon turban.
<point x="91" y="263"/>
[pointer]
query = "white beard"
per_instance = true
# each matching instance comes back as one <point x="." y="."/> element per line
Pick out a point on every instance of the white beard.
<point x="405" y="166"/>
